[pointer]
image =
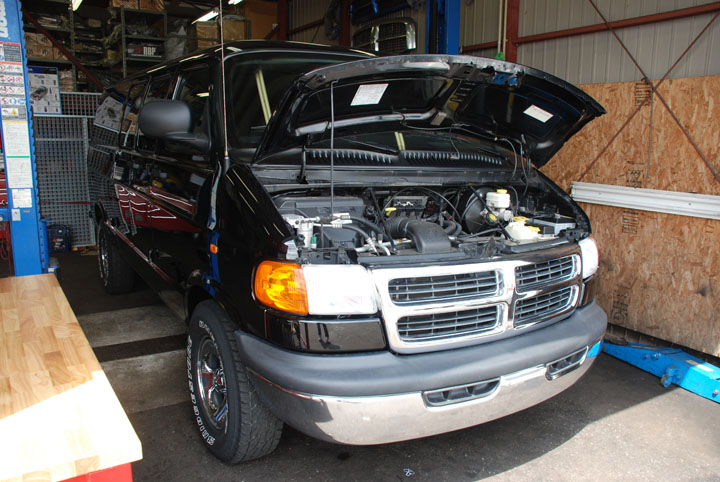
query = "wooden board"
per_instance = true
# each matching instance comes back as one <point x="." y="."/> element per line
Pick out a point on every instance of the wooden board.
<point x="659" y="273"/>
<point x="59" y="416"/>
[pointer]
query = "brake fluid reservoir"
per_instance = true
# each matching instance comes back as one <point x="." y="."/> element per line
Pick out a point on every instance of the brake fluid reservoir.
<point x="498" y="200"/>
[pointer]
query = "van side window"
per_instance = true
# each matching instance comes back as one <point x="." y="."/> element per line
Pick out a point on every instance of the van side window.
<point x="195" y="90"/>
<point x="160" y="89"/>
<point x="128" y="127"/>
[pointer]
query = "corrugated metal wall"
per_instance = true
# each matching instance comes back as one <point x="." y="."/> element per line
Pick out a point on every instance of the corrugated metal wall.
<point x="598" y="57"/>
<point x="303" y="12"/>
<point x="479" y="24"/>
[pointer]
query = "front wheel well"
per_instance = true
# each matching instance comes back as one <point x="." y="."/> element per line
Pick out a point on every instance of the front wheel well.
<point x="193" y="297"/>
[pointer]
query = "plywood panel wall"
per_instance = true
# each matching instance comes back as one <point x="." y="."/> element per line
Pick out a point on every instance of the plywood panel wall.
<point x="660" y="273"/>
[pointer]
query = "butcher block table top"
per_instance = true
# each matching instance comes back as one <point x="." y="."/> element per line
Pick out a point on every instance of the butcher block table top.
<point x="59" y="416"/>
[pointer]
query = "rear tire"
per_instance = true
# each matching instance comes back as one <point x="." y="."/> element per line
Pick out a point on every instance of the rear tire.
<point x="116" y="274"/>
<point x="233" y="422"/>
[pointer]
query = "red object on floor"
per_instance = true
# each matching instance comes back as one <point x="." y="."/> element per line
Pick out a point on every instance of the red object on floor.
<point x="121" y="473"/>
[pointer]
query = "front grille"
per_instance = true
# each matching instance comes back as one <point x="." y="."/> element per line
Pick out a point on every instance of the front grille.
<point x="546" y="272"/>
<point x="397" y="29"/>
<point x="396" y="45"/>
<point x="539" y="308"/>
<point x="438" y="289"/>
<point x="448" y="325"/>
<point x="363" y="38"/>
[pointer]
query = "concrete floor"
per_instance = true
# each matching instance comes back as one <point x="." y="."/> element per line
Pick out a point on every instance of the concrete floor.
<point x="617" y="423"/>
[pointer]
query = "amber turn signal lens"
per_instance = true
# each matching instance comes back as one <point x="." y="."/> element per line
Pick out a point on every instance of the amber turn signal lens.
<point x="282" y="286"/>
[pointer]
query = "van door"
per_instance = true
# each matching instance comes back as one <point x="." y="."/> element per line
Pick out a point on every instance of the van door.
<point x="182" y="183"/>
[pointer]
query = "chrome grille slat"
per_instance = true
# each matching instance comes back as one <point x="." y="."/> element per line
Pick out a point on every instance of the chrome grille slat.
<point x="449" y="324"/>
<point x="546" y="272"/>
<point x="437" y="289"/>
<point x="544" y="306"/>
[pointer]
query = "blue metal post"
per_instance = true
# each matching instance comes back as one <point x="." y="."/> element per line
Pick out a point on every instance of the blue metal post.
<point x="446" y="23"/>
<point x="451" y="21"/>
<point x="29" y="257"/>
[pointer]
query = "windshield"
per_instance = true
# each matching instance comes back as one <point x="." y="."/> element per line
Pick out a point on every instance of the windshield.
<point x="256" y="83"/>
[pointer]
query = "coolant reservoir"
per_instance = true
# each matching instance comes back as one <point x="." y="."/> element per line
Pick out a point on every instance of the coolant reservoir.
<point x="519" y="232"/>
<point x="498" y="200"/>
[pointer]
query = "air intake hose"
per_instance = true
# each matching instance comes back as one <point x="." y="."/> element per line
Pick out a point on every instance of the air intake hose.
<point x="428" y="237"/>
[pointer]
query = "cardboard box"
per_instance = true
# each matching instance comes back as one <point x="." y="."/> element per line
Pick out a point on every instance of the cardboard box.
<point x="152" y="5"/>
<point x="234" y="30"/>
<point x="39" y="52"/>
<point x="202" y="35"/>
<point x="66" y="80"/>
<point x="37" y="40"/>
<point x="204" y="30"/>
<point x="58" y="55"/>
<point x="124" y="3"/>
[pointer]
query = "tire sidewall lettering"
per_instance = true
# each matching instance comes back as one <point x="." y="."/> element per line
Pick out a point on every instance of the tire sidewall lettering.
<point x="204" y="432"/>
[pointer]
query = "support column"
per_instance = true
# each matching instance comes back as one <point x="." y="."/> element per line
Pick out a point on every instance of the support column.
<point x="28" y="247"/>
<point x="282" y="19"/>
<point x="513" y="28"/>
<point x="443" y="27"/>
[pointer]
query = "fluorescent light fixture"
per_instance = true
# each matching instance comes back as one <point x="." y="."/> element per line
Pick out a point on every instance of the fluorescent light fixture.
<point x="671" y="202"/>
<point x="203" y="94"/>
<point x="76" y="4"/>
<point x="207" y="16"/>
<point x="234" y="2"/>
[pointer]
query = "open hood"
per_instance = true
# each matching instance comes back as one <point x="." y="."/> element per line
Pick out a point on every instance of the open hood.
<point x="491" y="98"/>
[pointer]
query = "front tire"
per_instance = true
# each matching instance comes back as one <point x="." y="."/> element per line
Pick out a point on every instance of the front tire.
<point x="117" y="276"/>
<point x="233" y="422"/>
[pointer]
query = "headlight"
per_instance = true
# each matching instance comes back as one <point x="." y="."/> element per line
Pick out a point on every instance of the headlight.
<point x="589" y="253"/>
<point x="282" y="286"/>
<point x="339" y="290"/>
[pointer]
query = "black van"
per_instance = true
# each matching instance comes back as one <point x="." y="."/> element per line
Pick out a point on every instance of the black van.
<point x="364" y="247"/>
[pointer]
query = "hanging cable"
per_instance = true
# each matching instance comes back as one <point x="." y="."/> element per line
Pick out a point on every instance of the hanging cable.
<point x="332" y="148"/>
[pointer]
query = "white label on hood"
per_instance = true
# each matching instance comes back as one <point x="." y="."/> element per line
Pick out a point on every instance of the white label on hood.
<point x="369" y="94"/>
<point x="538" y="114"/>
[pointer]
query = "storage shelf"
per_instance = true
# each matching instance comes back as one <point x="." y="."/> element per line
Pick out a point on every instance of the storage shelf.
<point x="36" y="60"/>
<point x="145" y="37"/>
<point x="29" y="26"/>
<point x="88" y="39"/>
<point x="155" y="60"/>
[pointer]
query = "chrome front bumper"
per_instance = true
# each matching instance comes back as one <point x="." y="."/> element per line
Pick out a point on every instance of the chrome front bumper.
<point x="368" y="420"/>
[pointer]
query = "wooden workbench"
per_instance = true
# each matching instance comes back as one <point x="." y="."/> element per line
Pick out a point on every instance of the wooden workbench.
<point x="59" y="416"/>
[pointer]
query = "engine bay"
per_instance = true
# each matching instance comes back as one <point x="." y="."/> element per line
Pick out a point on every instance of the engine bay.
<point x="351" y="224"/>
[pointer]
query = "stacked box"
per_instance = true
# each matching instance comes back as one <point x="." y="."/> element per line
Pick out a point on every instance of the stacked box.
<point x="202" y="35"/>
<point x="58" y="55"/>
<point x="66" y="80"/>
<point x="152" y="5"/>
<point x="233" y="29"/>
<point x="38" y="46"/>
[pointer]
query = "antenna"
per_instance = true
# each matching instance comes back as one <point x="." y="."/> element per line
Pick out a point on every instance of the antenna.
<point x="332" y="149"/>
<point x="222" y="73"/>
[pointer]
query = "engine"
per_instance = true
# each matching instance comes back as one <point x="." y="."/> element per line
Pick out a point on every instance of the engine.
<point x="422" y="220"/>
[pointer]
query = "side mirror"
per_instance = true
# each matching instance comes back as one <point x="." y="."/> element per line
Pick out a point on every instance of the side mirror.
<point x="171" y="122"/>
